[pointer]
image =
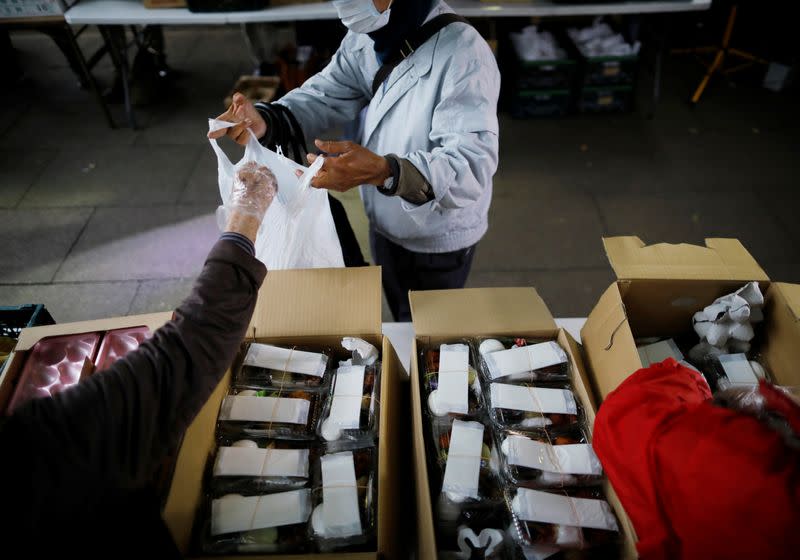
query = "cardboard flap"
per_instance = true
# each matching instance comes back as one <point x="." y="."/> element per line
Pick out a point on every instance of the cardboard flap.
<point x="30" y="336"/>
<point x="791" y="293"/>
<point x="720" y="259"/>
<point x="320" y="301"/>
<point x="472" y="312"/>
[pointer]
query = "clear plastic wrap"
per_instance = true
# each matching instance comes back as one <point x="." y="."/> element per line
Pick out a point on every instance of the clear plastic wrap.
<point x="530" y="409"/>
<point x="54" y="364"/>
<point x="725" y="371"/>
<point x="264" y="523"/>
<point x="548" y="461"/>
<point x="469" y="475"/>
<point x="345" y="499"/>
<point x="269" y="413"/>
<point x="547" y="522"/>
<point x="770" y="404"/>
<point x="266" y="365"/>
<point x="468" y="498"/>
<point x="118" y="343"/>
<point x="261" y="465"/>
<point x="351" y="410"/>
<point x="456" y="393"/>
<point x="518" y="360"/>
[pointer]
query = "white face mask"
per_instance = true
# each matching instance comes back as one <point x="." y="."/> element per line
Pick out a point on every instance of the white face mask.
<point x="361" y="16"/>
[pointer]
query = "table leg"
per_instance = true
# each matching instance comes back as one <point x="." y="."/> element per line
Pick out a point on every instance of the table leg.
<point x="86" y="71"/>
<point x="660" y="36"/>
<point x="114" y="36"/>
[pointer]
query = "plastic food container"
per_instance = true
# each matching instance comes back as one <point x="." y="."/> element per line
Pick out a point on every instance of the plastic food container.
<point x="546" y="522"/>
<point x="518" y="360"/>
<point x="526" y="409"/>
<point x="261" y="523"/>
<point x="261" y="465"/>
<point x="350" y="413"/>
<point x="547" y="461"/>
<point x="455" y="392"/>
<point x="118" y="343"/>
<point x="266" y="366"/>
<point x="54" y="364"/>
<point x="345" y="499"/>
<point x="269" y="413"/>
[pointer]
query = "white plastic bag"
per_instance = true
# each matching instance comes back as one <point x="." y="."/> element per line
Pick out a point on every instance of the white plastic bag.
<point x="298" y="230"/>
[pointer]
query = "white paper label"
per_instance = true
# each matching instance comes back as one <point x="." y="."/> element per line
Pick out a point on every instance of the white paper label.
<point x="232" y="514"/>
<point x="557" y="509"/>
<point x="252" y="461"/>
<point x="524" y="359"/>
<point x="738" y="369"/>
<point x="285" y="359"/>
<point x="264" y="409"/>
<point x="532" y="399"/>
<point x="453" y="390"/>
<point x="340" y="495"/>
<point x="347" y="395"/>
<point x="578" y="458"/>
<point x="463" y="460"/>
<point x="658" y="352"/>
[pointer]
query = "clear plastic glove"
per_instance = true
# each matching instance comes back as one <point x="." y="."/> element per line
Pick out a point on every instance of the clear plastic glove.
<point x="254" y="188"/>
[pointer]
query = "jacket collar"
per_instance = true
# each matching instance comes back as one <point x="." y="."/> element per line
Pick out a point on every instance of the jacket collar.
<point x="403" y="77"/>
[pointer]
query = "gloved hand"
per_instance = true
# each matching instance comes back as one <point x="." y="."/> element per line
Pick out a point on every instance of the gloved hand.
<point x="254" y="188"/>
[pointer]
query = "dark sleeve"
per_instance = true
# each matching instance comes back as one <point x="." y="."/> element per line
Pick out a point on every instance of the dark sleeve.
<point x="410" y="184"/>
<point x="274" y="125"/>
<point x="115" y="427"/>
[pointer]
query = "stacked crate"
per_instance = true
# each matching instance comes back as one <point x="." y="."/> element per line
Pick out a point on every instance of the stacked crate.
<point x="538" y="88"/>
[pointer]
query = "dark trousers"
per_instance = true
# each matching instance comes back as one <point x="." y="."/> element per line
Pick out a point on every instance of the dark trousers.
<point x="405" y="270"/>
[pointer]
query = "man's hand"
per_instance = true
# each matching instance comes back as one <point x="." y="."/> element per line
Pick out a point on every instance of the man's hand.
<point x="241" y="111"/>
<point x="348" y="165"/>
<point x="254" y="188"/>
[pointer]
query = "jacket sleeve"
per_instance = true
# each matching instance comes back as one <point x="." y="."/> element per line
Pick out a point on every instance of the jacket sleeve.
<point x="332" y="97"/>
<point x="116" y="427"/>
<point x="464" y="128"/>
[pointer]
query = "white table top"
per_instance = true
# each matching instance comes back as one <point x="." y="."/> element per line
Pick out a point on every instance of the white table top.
<point x="133" y="12"/>
<point x="402" y="334"/>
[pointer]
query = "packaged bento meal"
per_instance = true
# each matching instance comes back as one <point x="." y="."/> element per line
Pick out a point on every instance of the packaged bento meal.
<point x="269" y="413"/>
<point x="351" y="410"/>
<point x="266" y="365"/>
<point x="517" y="360"/>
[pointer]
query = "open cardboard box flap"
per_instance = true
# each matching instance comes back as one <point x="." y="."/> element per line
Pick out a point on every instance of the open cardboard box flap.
<point x="791" y="295"/>
<point x="316" y="302"/>
<point x="781" y="349"/>
<point x="720" y="259"/>
<point x="479" y="311"/>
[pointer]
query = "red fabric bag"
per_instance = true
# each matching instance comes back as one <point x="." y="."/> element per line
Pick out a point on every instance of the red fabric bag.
<point x="699" y="480"/>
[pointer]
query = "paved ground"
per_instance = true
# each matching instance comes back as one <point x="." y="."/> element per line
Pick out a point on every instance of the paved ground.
<point x="98" y="222"/>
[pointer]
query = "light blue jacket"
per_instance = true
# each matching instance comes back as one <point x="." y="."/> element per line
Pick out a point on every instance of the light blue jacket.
<point x="438" y="109"/>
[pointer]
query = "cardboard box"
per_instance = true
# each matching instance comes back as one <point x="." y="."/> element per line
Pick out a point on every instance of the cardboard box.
<point x="308" y="307"/>
<point x="781" y="348"/>
<point x="444" y="315"/>
<point x="30" y="336"/>
<point x="661" y="286"/>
